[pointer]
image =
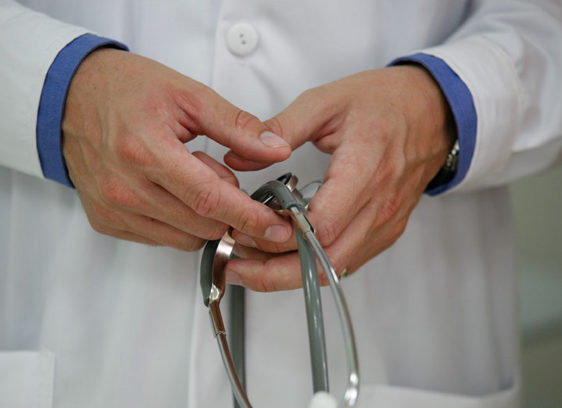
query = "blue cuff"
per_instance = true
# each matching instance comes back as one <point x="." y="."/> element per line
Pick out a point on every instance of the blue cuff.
<point x="53" y="98"/>
<point x="462" y="106"/>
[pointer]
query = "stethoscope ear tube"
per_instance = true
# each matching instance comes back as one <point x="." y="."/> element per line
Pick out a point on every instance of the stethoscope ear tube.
<point x="281" y="195"/>
<point x="314" y="316"/>
<point x="237" y="338"/>
<point x="352" y="390"/>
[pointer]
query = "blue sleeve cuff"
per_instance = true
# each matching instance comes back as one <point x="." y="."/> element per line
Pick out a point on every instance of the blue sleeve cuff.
<point x="462" y="106"/>
<point x="53" y="98"/>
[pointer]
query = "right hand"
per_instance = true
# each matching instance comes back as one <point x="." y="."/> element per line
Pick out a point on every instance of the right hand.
<point x="125" y="124"/>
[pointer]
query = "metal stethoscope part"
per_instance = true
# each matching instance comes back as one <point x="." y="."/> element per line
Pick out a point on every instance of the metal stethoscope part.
<point x="283" y="196"/>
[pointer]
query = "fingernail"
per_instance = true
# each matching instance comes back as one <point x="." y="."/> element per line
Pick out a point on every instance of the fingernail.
<point x="270" y="139"/>
<point x="232" y="277"/>
<point x="246" y="241"/>
<point x="277" y="233"/>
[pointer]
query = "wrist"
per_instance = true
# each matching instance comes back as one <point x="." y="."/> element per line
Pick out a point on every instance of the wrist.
<point x="88" y="81"/>
<point x="53" y="102"/>
<point x="461" y="104"/>
<point x="446" y="136"/>
<point x="430" y="117"/>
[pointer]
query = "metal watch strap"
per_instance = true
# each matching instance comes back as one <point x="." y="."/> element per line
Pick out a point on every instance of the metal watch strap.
<point x="449" y="169"/>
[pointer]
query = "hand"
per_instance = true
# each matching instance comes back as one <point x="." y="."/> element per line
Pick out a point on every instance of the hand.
<point x="125" y="124"/>
<point x="389" y="131"/>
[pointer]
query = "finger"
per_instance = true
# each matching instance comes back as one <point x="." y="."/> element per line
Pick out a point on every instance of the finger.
<point x="266" y="246"/>
<point x="283" y="272"/>
<point x="230" y="126"/>
<point x="159" y="204"/>
<point x="278" y="273"/>
<point x="312" y="115"/>
<point x="239" y="163"/>
<point x="222" y="171"/>
<point x="164" y="234"/>
<point x="356" y="245"/>
<point x="345" y="191"/>
<point x="147" y="229"/>
<point x="125" y="235"/>
<point x="145" y="197"/>
<point x="112" y="226"/>
<point x="196" y="185"/>
<point x="117" y="194"/>
<point x="362" y="240"/>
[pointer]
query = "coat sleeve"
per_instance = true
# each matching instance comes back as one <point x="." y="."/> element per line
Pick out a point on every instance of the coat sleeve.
<point x="29" y="42"/>
<point x="509" y="55"/>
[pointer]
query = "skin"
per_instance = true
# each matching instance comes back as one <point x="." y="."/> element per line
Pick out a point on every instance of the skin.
<point x="125" y="124"/>
<point x="389" y="131"/>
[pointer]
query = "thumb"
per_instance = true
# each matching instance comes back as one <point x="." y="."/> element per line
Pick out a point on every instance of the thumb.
<point x="308" y="118"/>
<point x="239" y="130"/>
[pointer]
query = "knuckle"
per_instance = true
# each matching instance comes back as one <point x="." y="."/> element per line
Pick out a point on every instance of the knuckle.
<point x="114" y="192"/>
<point x="320" y="95"/>
<point x="328" y="144"/>
<point x="194" y="244"/>
<point x="395" y="166"/>
<point x="383" y="133"/>
<point x="265" y="284"/>
<point x="187" y="242"/>
<point x="243" y="119"/>
<point x="390" y="170"/>
<point x="249" y="221"/>
<point x="399" y="228"/>
<point x="194" y="99"/>
<point x="383" y="175"/>
<point x="131" y="151"/>
<point x="389" y="209"/>
<point x="98" y="226"/>
<point x="100" y="212"/>
<point x="312" y="94"/>
<point x="207" y="200"/>
<point x="327" y="230"/>
<point x="215" y="232"/>
<point x="276" y="247"/>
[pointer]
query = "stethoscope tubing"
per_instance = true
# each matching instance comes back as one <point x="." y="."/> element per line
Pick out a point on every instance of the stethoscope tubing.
<point x="282" y="195"/>
<point x="314" y="316"/>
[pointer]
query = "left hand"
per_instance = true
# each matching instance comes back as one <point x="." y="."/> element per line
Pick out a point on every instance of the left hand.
<point x="389" y="131"/>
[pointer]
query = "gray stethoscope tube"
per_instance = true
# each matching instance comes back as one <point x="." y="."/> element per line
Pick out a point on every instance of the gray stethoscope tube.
<point x="283" y="196"/>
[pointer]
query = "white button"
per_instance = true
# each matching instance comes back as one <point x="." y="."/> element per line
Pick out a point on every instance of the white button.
<point x="242" y="39"/>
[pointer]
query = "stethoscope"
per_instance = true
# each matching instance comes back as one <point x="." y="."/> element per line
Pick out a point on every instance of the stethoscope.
<point x="283" y="196"/>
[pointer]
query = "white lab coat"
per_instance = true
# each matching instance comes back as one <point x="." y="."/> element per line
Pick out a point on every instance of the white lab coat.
<point x="90" y="321"/>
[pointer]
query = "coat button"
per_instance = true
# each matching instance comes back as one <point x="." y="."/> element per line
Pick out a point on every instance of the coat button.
<point x="242" y="39"/>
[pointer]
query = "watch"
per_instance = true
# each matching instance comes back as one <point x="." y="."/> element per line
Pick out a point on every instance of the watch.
<point x="449" y="169"/>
